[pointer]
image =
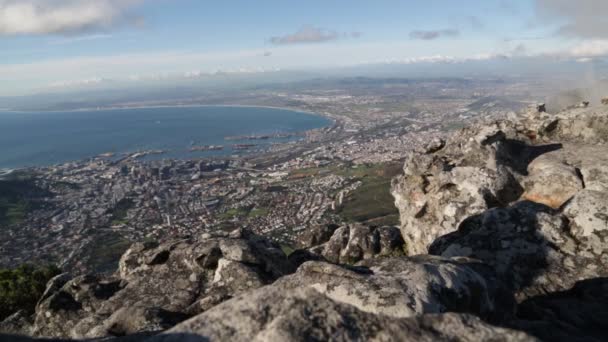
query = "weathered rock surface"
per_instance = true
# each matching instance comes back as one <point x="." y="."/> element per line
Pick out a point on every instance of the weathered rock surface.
<point x="305" y="314"/>
<point x="531" y="246"/>
<point x="405" y="287"/>
<point x="579" y="314"/>
<point x="551" y="181"/>
<point x="157" y="286"/>
<point x="543" y="158"/>
<point x="473" y="173"/>
<point x="355" y="242"/>
<point x="513" y="216"/>
<point x="19" y="323"/>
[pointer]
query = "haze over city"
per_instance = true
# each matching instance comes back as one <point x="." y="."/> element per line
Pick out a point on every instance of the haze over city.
<point x="304" y="170"/>
<point x="57" y="45"/>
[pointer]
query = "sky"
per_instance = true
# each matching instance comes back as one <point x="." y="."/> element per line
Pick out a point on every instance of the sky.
<point x="46" y="45"/>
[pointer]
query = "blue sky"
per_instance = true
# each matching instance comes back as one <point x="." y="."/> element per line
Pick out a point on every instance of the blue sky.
<point x="53" y="44"/>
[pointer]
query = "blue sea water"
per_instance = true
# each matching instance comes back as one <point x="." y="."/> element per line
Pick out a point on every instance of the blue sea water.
<point x="39" y="139"/>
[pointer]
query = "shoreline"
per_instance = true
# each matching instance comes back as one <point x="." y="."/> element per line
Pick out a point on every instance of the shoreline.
<point x="331" y="117"/>
<point x="332" y="122"/>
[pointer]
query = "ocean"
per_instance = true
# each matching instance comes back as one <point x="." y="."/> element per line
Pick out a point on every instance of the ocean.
<point x="42" y="139"/>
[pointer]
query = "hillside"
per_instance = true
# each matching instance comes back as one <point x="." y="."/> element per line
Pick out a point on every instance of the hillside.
<point x="503" y="236"/>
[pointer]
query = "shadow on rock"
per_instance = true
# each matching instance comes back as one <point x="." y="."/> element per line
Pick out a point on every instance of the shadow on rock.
<point x="517" y="241"/>
<point x="579" y="314"/>
<point x="518" y="155"/>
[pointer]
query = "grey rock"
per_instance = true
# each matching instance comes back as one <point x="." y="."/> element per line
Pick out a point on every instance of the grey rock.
<point x="406" y="287"/>
<point x="588" y="214"/>
<point x="305" y="314"/>
<point x="578" y="314"/>
<point x="355" y="242"/>
<point x="551" y="182"/>
<point x="316" y="235"/>
<point x="477" y="170"/>
<point x="159" y="285"/>
<point x="528" y="246"/>
<point x="19" y="323"/>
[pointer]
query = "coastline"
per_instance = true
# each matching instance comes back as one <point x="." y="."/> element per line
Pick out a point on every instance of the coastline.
<point x="329" y="116"/>
<point x="330" y="124"/>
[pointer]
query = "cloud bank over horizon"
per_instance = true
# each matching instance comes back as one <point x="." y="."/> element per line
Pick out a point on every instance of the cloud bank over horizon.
<point x="83" y="43"/>
<point x="39" y="17"/>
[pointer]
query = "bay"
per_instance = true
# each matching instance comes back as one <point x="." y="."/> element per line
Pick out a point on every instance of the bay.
<point x="40" y="139"/>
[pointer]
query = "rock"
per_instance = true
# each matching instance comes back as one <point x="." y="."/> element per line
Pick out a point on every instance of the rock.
<point x="304" y="314"/>
<point x="477" y="170"/>
<point x="355" y="242"/>
<point x="158" y="286"/>
<point x="133" y="320"/>
<point x="316" y="235"/>
<point x="551" y="182"/>
<point x="541" y="108"/>
<point x="543" y="158"/>
<point x="588" y="126"/>
<point x="528" y="246"/>
<point x="406" y="287"/>
<point x="433" y="146"/>
<point x="578" y="314"/>
<point x="19" y="323"/>
<point x="588" y="214"/>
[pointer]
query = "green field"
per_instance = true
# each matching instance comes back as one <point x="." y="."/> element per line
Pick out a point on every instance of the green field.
<point x="105" y="251"/>
<point x="119" y="213"/>
<point x="372" y="202"/>
<point x="17" y="197"/>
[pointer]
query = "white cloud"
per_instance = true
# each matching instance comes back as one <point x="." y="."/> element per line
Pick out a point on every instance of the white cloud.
<point x="63" y="16"/>
<point x="441" y="59"/>
<point x="73" y="40"/>
<point x="580" y="18"/>
<point x="434" y="34"/>
<point x="590" y="49"/>
<point x="311" y="34"/>
<point x="79" y="83"/>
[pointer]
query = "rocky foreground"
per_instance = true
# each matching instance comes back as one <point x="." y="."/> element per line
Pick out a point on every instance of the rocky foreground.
<point x="503" y="237"/>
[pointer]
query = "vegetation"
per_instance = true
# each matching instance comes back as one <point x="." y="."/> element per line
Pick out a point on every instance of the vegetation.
<point x="22" y="287"/>
<point x="119" y="213"/>
<point x="18" y="196"/>
<point x="258" y="212"/>
<point x="372" y="202"/>
<point x="287" y="249"/>
<point x="105" y="252"/>
<point x="232" y="213"/>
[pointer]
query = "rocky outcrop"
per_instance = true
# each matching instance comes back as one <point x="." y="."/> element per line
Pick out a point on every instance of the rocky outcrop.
<point x="529" y="246"/>
<point x="405" y="287"/>
<point x="19" y="323"/>
<point x="308" y="315"/>
<point x="578" y="314"/>
<point x="352" y="243"/>
<point x="157" y="286"/>
<point x="474" y="172"/>
<point x="505" y="225"/>
<point x="543" y="158"/>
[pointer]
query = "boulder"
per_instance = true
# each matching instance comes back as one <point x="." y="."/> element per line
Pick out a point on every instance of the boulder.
<point x="405" y="287"/>
<point x="579" y="314"/>
<point x="477" y="170"/>
<point x="304" y="314"/>
<point x="530" y="246"/>
<point x="352" y="243"/>
<point x="551" y="182"/>
<point x="158" y="286"/>
<point x="19" y="323"/>
<point x="588" y="215"/>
